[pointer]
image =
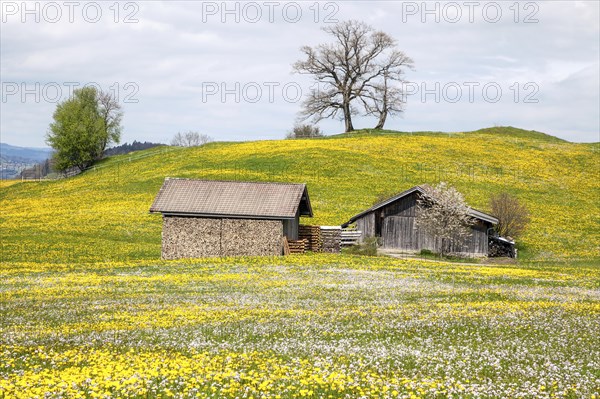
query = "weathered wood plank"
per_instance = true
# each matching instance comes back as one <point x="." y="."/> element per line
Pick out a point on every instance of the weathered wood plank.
<point x="397" y="230"/>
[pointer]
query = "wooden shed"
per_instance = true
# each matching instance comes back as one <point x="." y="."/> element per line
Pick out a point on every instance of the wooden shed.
<point x="228" y="218"/>
<point x="393" y="220"/>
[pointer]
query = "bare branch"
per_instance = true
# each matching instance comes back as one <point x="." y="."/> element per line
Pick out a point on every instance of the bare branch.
<point x="354" y="65"/>
<point x="111" y="114"/>
<point x="190" y="139"/>
<point x="511" y="213"/>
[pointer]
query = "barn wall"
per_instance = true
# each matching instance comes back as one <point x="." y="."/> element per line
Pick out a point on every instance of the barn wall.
<point x="290" y="227"/>
<point x="406" y="206"/>
<point x="479" y="238"/>
<point x="398" y="231"/>
<point x="366" y="225"/>
<point x="189" y="237"/>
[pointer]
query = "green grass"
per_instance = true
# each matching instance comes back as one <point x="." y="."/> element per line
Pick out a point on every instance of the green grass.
<point x="103" y="213"/>
<point x="310" y="326"/>
<point x="429" y="255"/>
<point x="88" y="310"/>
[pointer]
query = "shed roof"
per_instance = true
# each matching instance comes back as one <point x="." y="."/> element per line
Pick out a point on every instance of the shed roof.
<point x="473" y="212"/>
<point x="232" y="198"/>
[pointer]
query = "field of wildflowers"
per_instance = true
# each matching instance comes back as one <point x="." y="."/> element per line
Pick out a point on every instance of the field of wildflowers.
<point x="306" y="326"/>
<point x="87" y="309"/>
<point x="102" y="215"/>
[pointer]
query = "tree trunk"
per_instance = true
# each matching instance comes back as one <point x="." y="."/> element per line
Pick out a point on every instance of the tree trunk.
<point x="348" y="118"/>
<point x="382" y="118"/>
<point x="384" y="105"/>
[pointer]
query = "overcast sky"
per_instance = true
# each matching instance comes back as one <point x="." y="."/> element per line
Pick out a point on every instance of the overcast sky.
<point x="224" y="69"/>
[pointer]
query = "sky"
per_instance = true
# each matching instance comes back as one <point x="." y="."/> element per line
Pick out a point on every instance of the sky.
<point x="225" y="69"/>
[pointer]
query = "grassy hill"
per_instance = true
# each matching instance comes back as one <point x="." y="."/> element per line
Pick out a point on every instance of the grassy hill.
<point x="130" y="325"/>
<point x="103" y="213"/>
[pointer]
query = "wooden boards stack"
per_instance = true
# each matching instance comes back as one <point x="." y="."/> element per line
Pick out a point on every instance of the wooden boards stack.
<point x="312" y="234"/>
<point x="297" y="246"/>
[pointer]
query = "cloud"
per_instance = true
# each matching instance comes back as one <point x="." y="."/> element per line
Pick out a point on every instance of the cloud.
<point x="176" y="51"/>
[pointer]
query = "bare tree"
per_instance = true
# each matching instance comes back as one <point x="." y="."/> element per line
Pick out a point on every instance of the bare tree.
<point x="511" y="213"/>
<point x="190" y="139"/>
<point x="111" y="114"/>
<point x="349" y="68"/>
<point x="383" y="98"/>
<point x="443" y="214"/>
<point x="304" y="131"/>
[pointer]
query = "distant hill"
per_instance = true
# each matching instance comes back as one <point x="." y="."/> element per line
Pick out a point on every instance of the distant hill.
<point x="14" y="159"/>
<point x="103" y="213"/>
<point x="24" y="154"/>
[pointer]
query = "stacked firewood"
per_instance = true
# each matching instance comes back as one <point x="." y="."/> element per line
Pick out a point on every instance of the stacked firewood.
<point x="312" y="234"/>
<point x="332" y="238"/>
<point x="297" y="246"/>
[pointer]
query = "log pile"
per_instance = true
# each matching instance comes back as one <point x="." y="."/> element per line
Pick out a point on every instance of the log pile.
<point x="196" y="237"/>
<point x="501" y="247"/>
<point x="297" y="246"/>
<point x="332" y="238"/>
<point x="312" y="235"/>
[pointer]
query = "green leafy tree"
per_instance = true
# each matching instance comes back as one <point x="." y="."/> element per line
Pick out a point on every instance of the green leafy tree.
<point x="84" y="125"/>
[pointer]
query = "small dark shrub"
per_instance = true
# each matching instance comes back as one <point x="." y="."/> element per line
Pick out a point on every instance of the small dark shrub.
<point x="304" y="132"/>
<point x="512" y="214"/>
<point x="367" y="248"/>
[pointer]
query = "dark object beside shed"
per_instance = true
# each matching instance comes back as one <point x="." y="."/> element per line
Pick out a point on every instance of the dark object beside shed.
<point x="225" y="218"/>
<point x="501" y="247"/>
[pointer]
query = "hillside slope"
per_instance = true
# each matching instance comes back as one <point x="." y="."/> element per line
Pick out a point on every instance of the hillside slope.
<point x="103" y="214"/>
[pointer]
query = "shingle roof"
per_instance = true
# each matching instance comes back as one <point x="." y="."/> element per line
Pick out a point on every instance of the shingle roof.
<point x="231" y="198"/>
<point x="473" y="212"/>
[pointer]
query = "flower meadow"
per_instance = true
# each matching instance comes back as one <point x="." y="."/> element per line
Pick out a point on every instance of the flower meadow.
<point x="304" y="326"/>
<point x="102" y="215"/>
<point x="88" y="310"/>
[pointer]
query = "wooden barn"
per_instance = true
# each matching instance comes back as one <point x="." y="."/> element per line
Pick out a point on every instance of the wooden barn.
<point x="228" y="218"/>
<point x="393" y="220"/>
